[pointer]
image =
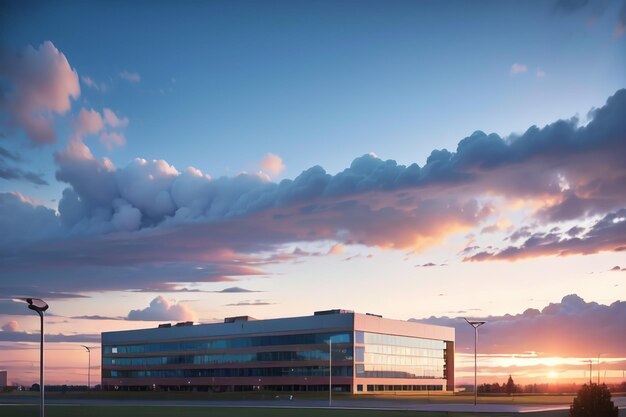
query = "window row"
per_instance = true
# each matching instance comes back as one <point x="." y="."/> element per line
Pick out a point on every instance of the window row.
<point x="232" y="343"/>
<point x="393" y="340"/>
<point x="229" y="358"/>
<point x="405" y="351"/>
<point x="378" y="359"/>
<point x="229" y="372"/>
<point x="391" y="371"/>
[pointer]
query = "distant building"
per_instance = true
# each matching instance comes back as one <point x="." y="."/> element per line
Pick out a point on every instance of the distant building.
<point x="4" y="379"/>
<point x="369" y="354"/>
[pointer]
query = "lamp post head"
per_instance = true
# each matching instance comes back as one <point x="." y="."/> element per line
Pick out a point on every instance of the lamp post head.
<point x="475" y="323"/>
<point x="86" y="347"/>
<point x="35" y="304"/>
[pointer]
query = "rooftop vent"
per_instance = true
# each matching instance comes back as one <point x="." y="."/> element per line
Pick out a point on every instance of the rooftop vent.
<point x="161" y="326"/>
<point x="238" y="319"/>
<point x="184" y="323"/>
<point x="335" y="311"/>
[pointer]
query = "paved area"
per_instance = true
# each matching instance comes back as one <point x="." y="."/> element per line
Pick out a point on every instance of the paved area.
<point x="361" y="404"/>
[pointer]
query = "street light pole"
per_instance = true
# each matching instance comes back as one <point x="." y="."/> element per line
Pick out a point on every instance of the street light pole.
<point x="590" y="362"/>
<point x="475" y="325"/>
<point x="88" y="369"/>
<point x="39" y="306"/>
<point x="599" y="368"/>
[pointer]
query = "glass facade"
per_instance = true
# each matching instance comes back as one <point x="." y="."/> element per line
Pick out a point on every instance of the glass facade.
<point x="390" y="356"/>
<point x="251" y="357"/>
<point x="296" y="360"/>
<point x="233" y="343"/>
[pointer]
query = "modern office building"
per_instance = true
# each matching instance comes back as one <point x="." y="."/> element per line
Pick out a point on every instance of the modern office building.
<point x="368" y="353"/>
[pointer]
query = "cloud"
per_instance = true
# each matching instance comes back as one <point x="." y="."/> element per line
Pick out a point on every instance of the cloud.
<point x="11" y="326"/>
<point x="607" y="234"/>
<point x="540" y="73"/>
<point x="272" y="164"/>
<point x="41" y="83"/>
<point x="10" y="172"/>
<point x="234" y="290"/>
<point x="89" y="122"/>
<point x="131" y="77"/>
<point x="620" y="27"/>
<point x="518" y="68"/>
<point x="50" y="338"/>
<point x="112" y="119"/>
<point x="337" y="249"/>
<point x="111" y="140"/>
<point x="150" y="225"/>
<point x="21" y="221"/>
<point x="571" y="327"/>
<point x="91" y="83"/>
<point x="250" y="303"/>
<point x="161" y="309"/>
<point x="96" y="317"/>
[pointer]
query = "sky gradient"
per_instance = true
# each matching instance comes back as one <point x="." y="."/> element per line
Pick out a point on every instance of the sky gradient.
<point x="420" y="160"/>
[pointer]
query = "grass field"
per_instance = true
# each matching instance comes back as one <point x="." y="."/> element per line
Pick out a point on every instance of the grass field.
<point x="537" y="399"/>
<point x="160" y="411"/>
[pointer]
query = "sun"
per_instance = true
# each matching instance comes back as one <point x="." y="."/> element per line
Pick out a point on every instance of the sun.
<point x="552" y="374"/>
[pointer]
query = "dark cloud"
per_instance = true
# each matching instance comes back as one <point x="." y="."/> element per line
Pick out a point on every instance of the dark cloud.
<point x="235" y="290"/>
<point x="607" y="234"/>
<point x="571" y="327"/>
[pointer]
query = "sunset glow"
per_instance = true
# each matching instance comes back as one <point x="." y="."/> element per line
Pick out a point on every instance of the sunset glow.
<point x="427" y="162"/>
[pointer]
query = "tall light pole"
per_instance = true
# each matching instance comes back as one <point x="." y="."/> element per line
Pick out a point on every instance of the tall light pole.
<point x="39" y="306"/>
<point x="475" y="324"/>
<point x="590" y="362"/>
<point x="88" y="368"/>
<point x="599" y="368"/>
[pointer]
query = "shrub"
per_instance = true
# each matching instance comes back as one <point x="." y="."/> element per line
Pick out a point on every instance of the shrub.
<point x="593" y="401"/>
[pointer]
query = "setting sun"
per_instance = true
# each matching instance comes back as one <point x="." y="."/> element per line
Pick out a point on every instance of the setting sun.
<point x="552" y="374"/>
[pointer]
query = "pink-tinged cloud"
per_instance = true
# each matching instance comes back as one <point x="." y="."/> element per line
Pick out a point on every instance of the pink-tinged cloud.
<point x="91" y="83"/>
<point x="607" y="234"/>
<point x="112" y="140"/>
<point x="41" y="84"/>
<point x="571" y="327"/>
<point x="540" y="74"/>
<point x="162" y="309"/>
<point x="89" y="122"/>
<point x="518" y="68"/>
<point x="11" y="326"/>
<point x="337" y="249"/>
<point x="272" y="164"/>
<point x="131" y="221"/>
<point x="111" y="119"/>
<point x="131" y="77"/>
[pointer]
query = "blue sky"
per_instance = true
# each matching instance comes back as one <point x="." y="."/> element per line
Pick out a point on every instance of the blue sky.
<point x="325" y="82"/>
<point x="219" y="85"/>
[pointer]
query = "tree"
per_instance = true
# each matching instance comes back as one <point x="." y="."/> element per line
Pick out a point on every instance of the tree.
<point x="593" y="401"/>
<point x="510" y="386"/>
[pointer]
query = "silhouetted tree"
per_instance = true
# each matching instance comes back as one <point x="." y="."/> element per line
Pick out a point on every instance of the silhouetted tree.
<point x="593" y="401"/>
<point x="510" y="386"/>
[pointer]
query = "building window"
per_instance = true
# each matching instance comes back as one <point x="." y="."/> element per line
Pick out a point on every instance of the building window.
<point x="359" y="337"/>
<point x="359" y="388"/>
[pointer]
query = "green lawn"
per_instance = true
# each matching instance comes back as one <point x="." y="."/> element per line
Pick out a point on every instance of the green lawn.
<point x="160" y="411"/>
